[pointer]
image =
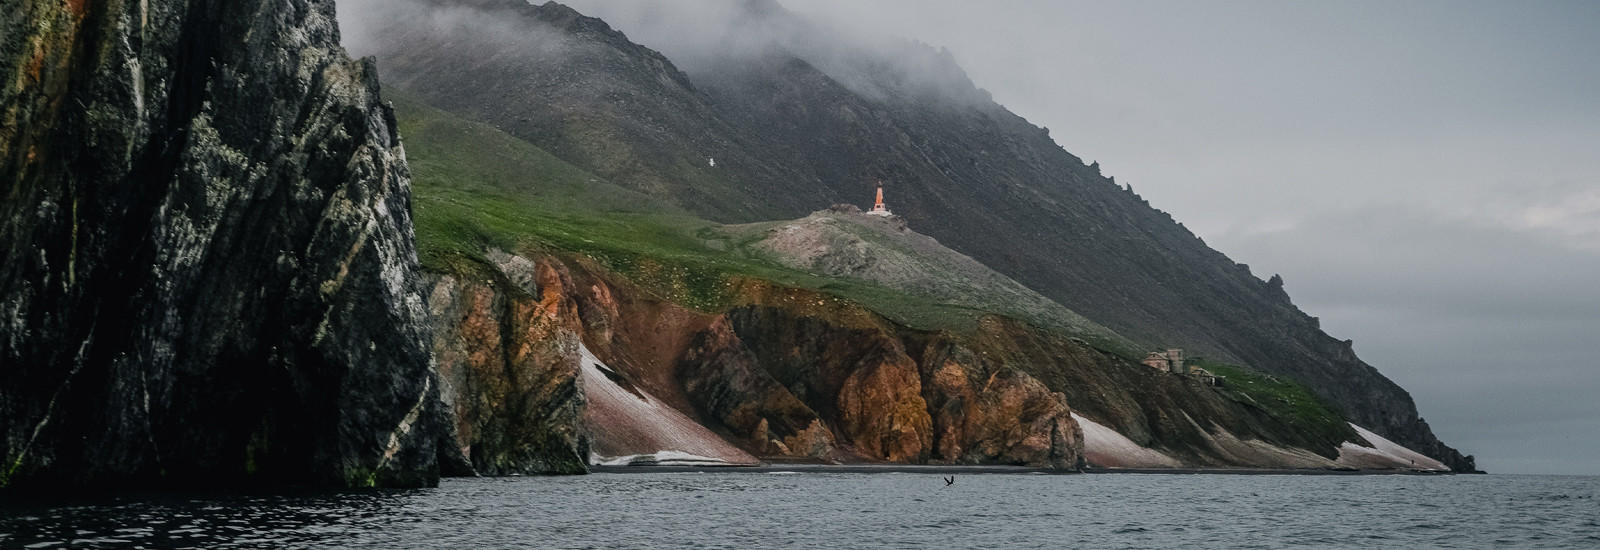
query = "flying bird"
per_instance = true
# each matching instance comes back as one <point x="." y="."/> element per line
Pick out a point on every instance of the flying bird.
<point x="949" y="481"/>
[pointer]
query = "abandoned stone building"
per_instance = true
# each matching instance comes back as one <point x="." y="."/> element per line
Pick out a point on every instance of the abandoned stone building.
<point x="1205" y="377"/>
<point x="1169" y="361"/>
<point x="1156" y="361"/>
<point x="1172" y="361"/>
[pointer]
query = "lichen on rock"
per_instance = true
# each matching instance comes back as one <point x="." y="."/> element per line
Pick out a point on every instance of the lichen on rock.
<point x="508" y="351"/>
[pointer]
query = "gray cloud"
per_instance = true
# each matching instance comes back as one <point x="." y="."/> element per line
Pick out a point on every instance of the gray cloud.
<point x="1491" y="328"/>
<point x="699" y="35"/>
<point x="361" y="22"/>
<point x="1405" y="257"/>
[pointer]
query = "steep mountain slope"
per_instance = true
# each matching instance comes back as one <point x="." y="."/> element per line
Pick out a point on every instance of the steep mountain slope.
<point x="207" y="270"/>
<point x="813" y="116"/>
<point x="636" y="333"/>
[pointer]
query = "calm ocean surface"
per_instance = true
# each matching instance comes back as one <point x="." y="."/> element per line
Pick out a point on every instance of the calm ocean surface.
<point x="826" y="510"/>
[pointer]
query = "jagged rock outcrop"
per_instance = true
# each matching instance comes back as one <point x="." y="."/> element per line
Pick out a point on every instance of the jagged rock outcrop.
<point x="724" y="379"/>
<point x="858" y="378"/>
<point x="509" y="368"/>
<point x="804" y="115"/>
<point x="816" y="377"/>
<point x="207" y="269"/>
<point x="984" y="410"/>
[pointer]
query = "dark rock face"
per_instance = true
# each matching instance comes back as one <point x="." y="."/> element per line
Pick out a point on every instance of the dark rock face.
<point x="812" y="121"/>
<point x="725" y="380"/>
<point x="207" y="269"/>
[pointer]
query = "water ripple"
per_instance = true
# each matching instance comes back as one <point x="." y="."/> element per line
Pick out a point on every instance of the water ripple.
<point x="748" y="510"/>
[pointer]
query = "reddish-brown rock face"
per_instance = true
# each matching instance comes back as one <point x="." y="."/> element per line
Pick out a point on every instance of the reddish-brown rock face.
<point x="508" y="356"/>
<point x="1005" y="415"/>
<point x="791" y="374"/>
<point x="724" y="381"/>
<point x="880" y="403"/>
<point x="882" y="413"/>
<point x="794" y="374"/>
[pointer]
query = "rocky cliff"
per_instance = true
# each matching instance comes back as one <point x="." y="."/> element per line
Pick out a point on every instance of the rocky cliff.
<point x="836" y="337"/>
<point x="556" y="363"/>
<point x="507" y="350"/>
<point x="801" y="115"/>
<point x="207" y="272"/>
<point x="784" y="374"/>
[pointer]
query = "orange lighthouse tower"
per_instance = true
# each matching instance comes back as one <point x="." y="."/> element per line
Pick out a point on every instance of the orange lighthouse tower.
<point x="879" y="209"/>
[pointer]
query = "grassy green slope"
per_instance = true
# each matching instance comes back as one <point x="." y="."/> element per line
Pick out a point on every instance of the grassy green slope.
<point x="474" y="187"/>
<point x="1282" y="399"/>
<point x="867" y="249"/>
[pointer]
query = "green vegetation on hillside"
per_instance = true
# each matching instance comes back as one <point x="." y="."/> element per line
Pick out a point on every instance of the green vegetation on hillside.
<point x="881" y="251"/>
<point x="475" y="188"/>
<point x="1283" y="399"/>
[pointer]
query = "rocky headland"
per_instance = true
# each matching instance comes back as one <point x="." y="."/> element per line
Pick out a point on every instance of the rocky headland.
<point x="208" y="274"/>
<point x="219" y="267"/>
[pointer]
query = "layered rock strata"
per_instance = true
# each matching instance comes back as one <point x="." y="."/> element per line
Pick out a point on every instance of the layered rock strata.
<point x="553" y="364"/>
<point x="508" y="362"/>
<point x="568" y="365"/>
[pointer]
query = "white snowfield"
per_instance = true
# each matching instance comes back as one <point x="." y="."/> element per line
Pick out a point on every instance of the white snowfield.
<point x="631" y="428"/>
<point x="663" y="458"/>
<point x="1104" y="447"/>
<point x="1383" y="450"/>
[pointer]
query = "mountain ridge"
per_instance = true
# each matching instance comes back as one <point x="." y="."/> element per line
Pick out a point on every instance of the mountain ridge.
<point x="981" y="180"/>
<point x="776" y="353"/>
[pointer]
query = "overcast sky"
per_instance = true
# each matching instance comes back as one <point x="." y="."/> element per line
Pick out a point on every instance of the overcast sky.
<point x="1425" y="175"/>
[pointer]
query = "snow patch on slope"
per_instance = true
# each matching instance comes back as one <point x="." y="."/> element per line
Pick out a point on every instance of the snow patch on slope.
<point x="1383" y="454"/>
<point x="662" y="458"/>
<point x="632" y="428"/>
<point x="1105" y="448"/>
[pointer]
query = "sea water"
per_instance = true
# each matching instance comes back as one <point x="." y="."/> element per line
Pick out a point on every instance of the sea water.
<point x="750" y="509"/>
